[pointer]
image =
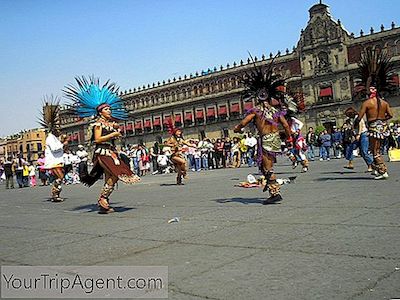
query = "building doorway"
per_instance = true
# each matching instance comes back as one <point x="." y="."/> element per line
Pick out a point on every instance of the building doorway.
<point x="329" y="125"/>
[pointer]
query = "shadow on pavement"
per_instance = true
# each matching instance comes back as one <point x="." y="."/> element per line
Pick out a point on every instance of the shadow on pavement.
<point x="343" y="178"/>
<point x="168" y="184"/>
<point x="94" y="208"/>
<point x="240" y="200"/>
<point x="340" y="172"/>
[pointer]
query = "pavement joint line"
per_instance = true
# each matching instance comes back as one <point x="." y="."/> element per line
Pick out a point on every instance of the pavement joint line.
<point x="91" y="235"/>
<point x="132" y="253"/>
<point x="291" y="251"/>
<point x="355" y="217"/>
<point x="12" y="261"/>
<point x="32" y="250"/>
<point x="177" y="290"/>
<point x="187" y="237"/>
<point x="216" y="267"/>
<point x="50" y="230"/>
<point x="371" y="286"/>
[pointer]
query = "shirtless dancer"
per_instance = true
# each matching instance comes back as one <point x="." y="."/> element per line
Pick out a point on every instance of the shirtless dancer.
<point x="378" y="112"/>
<point x="176" y="142"/>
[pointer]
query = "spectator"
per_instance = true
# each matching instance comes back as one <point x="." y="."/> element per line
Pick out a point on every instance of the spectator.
<point x="42" y="171"/>
<point x="227" y="161"/>
<point x="310" y="140"/>
<point x="83" y="159"/>
<point x="190" y="156"/>
<point x="25" y="174"/>
<point x="162" y="162"/>
<point x="236" y="156"/>
<point x="9" y="170"/>
<point x="337" y="140"/>
<point x="348" y="142"/>
<point x="154" y="152"/>
<point x="211" y="154"/>
<point x="243" y="149"/>
<point x="219" y="153"/>
<point x="205" y="147"/>
<point x="19" y="170"/>
<point x="32" y="174"/>
<point x="251" y="143"/>
<point x="325" y="145"/>
<point x="197" y="157"/>
<point x="67" y="156"/>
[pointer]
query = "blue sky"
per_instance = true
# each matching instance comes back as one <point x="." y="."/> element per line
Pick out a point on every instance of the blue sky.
<point x="45" y="43"/>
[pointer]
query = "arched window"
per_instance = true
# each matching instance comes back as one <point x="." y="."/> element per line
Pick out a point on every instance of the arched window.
<point x="397" y="47"/>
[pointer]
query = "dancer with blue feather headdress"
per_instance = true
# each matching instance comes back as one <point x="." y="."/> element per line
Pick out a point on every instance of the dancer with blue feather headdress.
<point x="92" y="100"/>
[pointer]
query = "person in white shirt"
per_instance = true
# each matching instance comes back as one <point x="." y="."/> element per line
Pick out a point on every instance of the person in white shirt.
<point x="83" y="159"/>
<point x="251" y="143"/>
<point x="32" y="175"/>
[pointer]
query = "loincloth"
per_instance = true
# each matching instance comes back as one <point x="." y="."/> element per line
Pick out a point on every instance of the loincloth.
<point x="271" y="143"/>
<point x="378" y="129"/>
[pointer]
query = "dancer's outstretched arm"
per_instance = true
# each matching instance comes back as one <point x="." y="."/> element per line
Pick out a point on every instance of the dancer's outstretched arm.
<point x="244" y="122"/>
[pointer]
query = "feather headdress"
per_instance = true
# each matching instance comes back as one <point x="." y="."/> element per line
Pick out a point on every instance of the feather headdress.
<point x="263" y="85"/>
<point x="171" y="127"/>
<point x="50" y="118"/>
<point x="374" y="69"/>
<point x="88" y="96"/>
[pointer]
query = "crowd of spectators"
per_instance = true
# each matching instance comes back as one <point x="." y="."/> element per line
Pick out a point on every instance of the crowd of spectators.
<point x="206" y="154"/>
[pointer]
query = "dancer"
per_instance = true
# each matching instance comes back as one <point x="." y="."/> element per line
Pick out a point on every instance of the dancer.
<point x="296" y="153"/>
<point x="91" y="99"/>
<point x="176" y="142"/>
<point x="266" y="88"/>
<point x="375" y="69"/>
<point x="55" y="144"/>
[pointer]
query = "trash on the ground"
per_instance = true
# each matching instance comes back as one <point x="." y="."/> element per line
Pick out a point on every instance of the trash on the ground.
<point x="173" y="220"/>
<point x="253" y="182"/>
<point x="251" y="178"/>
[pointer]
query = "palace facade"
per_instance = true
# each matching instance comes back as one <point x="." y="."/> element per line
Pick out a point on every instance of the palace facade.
<point x="323" y="66"/>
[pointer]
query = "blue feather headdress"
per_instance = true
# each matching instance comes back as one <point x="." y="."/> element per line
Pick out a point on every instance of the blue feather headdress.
<point x="88" y="96"/>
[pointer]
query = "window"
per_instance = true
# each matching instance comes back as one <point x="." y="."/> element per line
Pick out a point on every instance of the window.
<point x="325" y="93"/>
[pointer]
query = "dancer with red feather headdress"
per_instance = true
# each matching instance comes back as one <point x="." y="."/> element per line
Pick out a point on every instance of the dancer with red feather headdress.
<point x="176" y="142"/>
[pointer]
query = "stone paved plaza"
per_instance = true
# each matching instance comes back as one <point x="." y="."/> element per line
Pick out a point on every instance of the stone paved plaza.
<point x="335" y="236"/>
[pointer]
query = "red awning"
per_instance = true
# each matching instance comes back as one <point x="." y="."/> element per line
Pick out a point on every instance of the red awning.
<point x="138" y="125"/>
<point x="129" y="126"/>
<point x="210" y="112"/>
<point x="147" y="123"/>
<point x="199" y="114"/>
<point x="157" y="121"/>
<point x="248" y="105"/>
<point x="326" y="92"/>
<point x="178" y="118"/>
<point x="222" y="110"/>
<point x="167" y="119"/>
<point x="188" y="116"/>
<point x="235" y="107"/>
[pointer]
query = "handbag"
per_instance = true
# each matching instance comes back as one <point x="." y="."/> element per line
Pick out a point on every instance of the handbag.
<point x="394" y="154"/>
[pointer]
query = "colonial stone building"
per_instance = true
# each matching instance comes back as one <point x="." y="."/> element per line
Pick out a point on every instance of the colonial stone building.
<point x="322" y="66"/>
<point x="29" y="143"/>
